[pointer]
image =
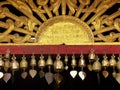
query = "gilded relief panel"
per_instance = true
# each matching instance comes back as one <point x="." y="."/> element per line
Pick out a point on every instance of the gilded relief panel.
<point x="69" y="22"/>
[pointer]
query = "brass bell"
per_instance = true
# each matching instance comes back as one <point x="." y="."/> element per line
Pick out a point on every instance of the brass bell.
<point x="66" y="59"/>
<point x="58" y="64"/>
<point x="73" y="62"/>
<point x="81" y="61"/>
<point x="14" y="64"/>
<point x="1" y="61"/>
<point x="49" y="61"/>
<point x="6" y="65"/>
<point x="33" y="61"/>
<point x="23" y="63"/>
<point x="92" y="55"/>
<point x="97" y="65"/>
<point x="66" y="62"/>
<point x="105" y="62"/>
<point x="41" y="62"/>
<point x="112" y="61"/>
<point x="73" y="72"/>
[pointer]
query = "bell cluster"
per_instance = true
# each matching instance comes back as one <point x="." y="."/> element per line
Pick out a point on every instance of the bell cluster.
<point x="9" y="62"/>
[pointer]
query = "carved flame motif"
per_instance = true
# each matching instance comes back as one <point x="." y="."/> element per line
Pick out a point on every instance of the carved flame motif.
<point x="20" y="20"/>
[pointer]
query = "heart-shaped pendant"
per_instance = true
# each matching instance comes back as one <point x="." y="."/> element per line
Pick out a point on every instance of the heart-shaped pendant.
<point x="82" y="75"/>
<point x="32" y="73"/>
<point x="24" y="75"/>
<point x="105" y="73"/>
<point x="73" y="73"/>
<point x="7" y="77"/>
<point x="49" y="77"/>
<point x="89" y="67"/>
<point x="42" y="74"/>
<point x="58" y="78"/>
<point x="118" y="78"/>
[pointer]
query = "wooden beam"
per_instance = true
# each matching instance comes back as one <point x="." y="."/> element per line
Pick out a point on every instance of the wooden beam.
<point x="61" y="49"/>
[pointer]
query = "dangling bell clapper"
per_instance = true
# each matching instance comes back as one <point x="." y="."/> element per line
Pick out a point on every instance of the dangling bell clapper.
<point x="23" y="66"/>
<point x="14" y="64"/>
<point x="82" y="64"/>
<point x="73" y="72"/>
<point x="32" y="71"/>
<point x="105" y="65"/>
<point x="41" y="65"/>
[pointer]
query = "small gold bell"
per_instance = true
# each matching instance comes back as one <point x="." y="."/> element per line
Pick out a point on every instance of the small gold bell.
<point x="49" y="61"/>
<point x="92" y="55"/>
<point x="41" y="62"/>
<point x="6" y="65"/>
<point x="58" y="64"/>
<point x="105" y="62"/>
<point x="66" y="59"/>
<point x="23" y="63"/>
<point x="14" y="64"/>
<point x="97" y="65"/>
<point x="73" y="62"/>
<point x="66" y="62"/>
<point x="33" y="61"/>
<point x="82" y="61"/>
<point x="32" y="71"/>
<point x="112" y="61"/>
<point x="1" y="61"/>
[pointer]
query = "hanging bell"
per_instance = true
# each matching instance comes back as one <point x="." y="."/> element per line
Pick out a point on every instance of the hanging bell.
<point x="23" y="63"/>
<point x="97" y="65"/>
<point x="41" y="62"/>
<point x="14" y="64"/>
<point x="81" y="61"/>
<point x="49" y="61"/>
<point x="82" y="64"/>
<point x="1" y="61"/>
<point x="33" y="61"/>
<point x="66" y="62"/>
<point x="92" y="55"/>
<point x="58" y="64"/>
<point x="73" y="72"/>
<point x="6" y="65"/>
<point x="112" y="61"/>
<point x="66" y="59"/>
<point x="49" y="75"/>
<point x="32" y="71"/>
<point x="105" y="62"/>
<point x="73" y="62"/>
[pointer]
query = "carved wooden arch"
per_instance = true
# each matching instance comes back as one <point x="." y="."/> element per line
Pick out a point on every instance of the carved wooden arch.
<point x="21" y="20"/>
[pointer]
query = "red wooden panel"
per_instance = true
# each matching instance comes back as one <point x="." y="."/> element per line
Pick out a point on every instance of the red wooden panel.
<point x="61" y="49"/>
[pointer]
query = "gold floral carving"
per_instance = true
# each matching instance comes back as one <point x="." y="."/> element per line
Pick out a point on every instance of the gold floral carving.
<point x="97" y="20"/>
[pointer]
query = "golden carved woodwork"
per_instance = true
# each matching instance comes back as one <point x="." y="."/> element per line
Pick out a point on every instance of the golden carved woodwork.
<point x="64" y="30"/>
<point x="59" y="21"/>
